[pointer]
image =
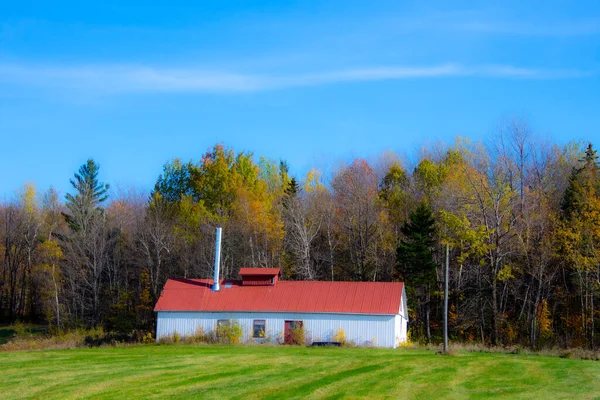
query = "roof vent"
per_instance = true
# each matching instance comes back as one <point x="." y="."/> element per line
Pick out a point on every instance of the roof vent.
<point x="259" y="276"/>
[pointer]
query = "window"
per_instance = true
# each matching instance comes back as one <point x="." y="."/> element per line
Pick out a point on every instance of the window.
<point x="296" y="324"/>
<point x="258" y="328"/>
<point x="223" y="322"/>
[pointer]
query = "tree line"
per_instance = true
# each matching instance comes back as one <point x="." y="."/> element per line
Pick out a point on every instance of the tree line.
<point x="521" y="217"/>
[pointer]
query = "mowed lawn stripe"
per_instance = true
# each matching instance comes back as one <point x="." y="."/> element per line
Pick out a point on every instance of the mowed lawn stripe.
<point x="323" y="383"/>
<point x="184" y="371"/>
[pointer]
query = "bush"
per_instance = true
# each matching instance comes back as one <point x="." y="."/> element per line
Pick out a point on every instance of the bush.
<point x="147" y="338"/>
<point x="581" y="354"/>
<point x="68" y="340"/>
<point x="280" y="338"/>
<point x="199" y="337"/>
<point x="27" y="340"/>
<point x="229" y="333"/>
<point x="202" y="337"/>
<point x="97" y="337"/>
<point x="20" y="330"/>
<point x="297" y="336"/>
<point x="166" y="340"/>
<point x="340" y="336"/>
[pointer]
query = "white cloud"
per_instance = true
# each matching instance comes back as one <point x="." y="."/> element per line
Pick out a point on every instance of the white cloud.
<point x="125" y="79"/>
<point x="543" y="28"/>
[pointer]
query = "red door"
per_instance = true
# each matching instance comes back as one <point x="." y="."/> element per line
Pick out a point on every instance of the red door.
<point x="290" y="331"/>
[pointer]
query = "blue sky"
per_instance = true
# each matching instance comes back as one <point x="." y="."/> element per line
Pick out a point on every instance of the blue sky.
<point x="311" y="82"/>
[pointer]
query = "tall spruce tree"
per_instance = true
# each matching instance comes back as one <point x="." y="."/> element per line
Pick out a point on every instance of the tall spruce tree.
<point x="293" y="188"/>
<point x="416" y="264"/>
<point x="581" y="180"/>
<point x="85" y="204"/>
<point x="88" y="247"/>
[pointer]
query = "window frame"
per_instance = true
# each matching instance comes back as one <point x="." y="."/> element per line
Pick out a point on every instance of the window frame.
<point x="223" y="322"/>
<point x="264" y="328"/>
<point x="219" y="323"/>
<point x="296" y="324"/>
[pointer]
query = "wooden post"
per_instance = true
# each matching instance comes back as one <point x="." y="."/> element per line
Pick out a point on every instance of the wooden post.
<point x="446" y="275"/>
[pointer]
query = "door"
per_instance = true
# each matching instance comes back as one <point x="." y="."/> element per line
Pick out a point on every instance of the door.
<point x="293" y="332"/>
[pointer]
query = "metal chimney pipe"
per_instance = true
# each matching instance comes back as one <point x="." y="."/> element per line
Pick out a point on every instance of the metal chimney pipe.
<point x="216" y="286"/>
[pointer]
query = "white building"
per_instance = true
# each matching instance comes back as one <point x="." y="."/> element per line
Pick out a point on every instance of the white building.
<point x="267" y="309"/>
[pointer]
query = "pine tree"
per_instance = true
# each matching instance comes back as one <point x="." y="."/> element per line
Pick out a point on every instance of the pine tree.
<point x="292" y="188"/>
<point x="88" y="247"/>
<point x="89" y="196"/>
<point x="416" y="266"/>
<point x="414" y="254"/>
<point x="580" y="181"/>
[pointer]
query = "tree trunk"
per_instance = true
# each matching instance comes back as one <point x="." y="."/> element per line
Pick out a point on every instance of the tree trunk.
<point x="427" y="321"/>
<point x="494" y="311"/>
<point x="57" y="311"/>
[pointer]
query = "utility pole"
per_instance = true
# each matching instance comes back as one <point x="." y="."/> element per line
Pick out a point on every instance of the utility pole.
<point x="446" y="275"/>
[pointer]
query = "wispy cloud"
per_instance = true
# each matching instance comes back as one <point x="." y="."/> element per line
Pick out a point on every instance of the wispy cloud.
<point x="557" y="29"/>
<point x="127" y="79"/>
<point x="488" y="22"/>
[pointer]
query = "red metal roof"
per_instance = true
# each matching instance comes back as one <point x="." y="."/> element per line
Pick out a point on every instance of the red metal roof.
<point x="259" y="271"/>
<point x="286" y="296"/>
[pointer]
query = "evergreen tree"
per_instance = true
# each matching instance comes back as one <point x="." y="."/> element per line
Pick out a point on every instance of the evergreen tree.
<point x="581" y="180"/>
<point x="89" y="196"/>
<point x="416" y="266"/>
<point x="292" y="188"/>
<point x="415" y="262"/>
<point x="89" y="246"/>
<point x="284" y="171"/>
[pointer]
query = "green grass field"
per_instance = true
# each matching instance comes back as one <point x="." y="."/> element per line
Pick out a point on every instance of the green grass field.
<point x="184" y="371"/>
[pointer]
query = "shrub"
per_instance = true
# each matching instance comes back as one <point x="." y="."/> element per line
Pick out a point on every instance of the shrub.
<point x="408" y="343"/>
<point x="165" y="340"/>
<point x="200" y="337"/>
<point x="229" y="333"/>
<point x="267" y="338"/>
<point x="148" y="339"/>
<point x="280" y="338"/>
<point x="98" y="337"/>
<point x="68" y="340"/>
<point x="176" y="337"/>
<point x="582" y="354"/>
<point x="340" y="336"/>
<point x="297" y="336"/>
<point x="73" y="339"/>
<point x="20" y="330"/>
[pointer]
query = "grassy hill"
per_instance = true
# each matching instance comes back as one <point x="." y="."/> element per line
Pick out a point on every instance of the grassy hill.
<point x="184" y="371"/>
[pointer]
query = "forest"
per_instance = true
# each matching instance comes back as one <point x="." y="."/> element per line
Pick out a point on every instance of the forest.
<point x="519" y="214"/>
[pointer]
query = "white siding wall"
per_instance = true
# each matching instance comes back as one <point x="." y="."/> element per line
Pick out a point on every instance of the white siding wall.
<point x="375" y="330"/>
<point x="402" y="320"/>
